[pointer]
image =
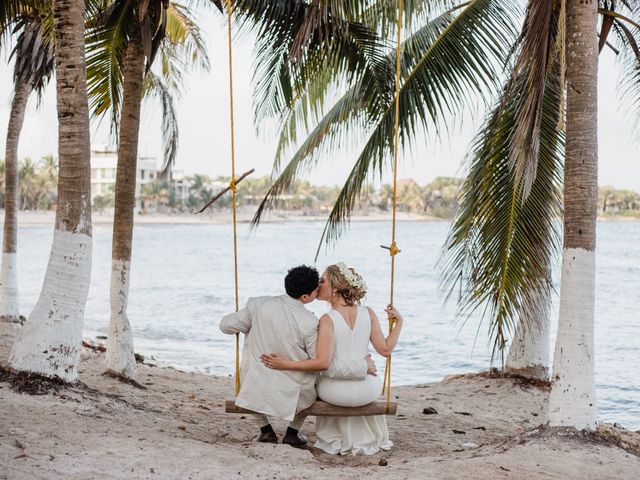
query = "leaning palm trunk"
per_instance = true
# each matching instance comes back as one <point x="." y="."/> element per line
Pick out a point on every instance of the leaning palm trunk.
<point x="51" y="339"/>
<point x="9" y="300"/>
<point x="529" y="350"/>
<point x="120" y="357"/>
<point x="572" y="401"/>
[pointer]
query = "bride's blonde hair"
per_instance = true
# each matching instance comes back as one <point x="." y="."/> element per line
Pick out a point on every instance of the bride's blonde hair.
<point x="352" y="294"/>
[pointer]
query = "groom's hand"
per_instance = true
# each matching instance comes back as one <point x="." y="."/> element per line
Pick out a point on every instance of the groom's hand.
<point x="371" y="366"/>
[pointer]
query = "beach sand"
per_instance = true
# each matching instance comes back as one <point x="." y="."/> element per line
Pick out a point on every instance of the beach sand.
<point x="175" y="428"/>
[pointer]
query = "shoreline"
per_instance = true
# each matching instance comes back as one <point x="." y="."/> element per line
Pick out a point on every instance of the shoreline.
<point x="173" y="427"/>
<point x="40" y="217"/>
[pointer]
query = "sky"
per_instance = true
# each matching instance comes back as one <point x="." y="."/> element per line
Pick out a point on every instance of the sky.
<point x="203" y="115"/>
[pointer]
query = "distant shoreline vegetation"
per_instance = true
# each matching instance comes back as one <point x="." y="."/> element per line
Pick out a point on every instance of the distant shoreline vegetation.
<point x="439" y="198"/>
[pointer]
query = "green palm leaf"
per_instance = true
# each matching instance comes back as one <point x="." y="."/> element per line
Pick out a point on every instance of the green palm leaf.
<point x="501" y="245"/>
<point x="449" y="63"/>
<point x="626" y="29"/>
<point x="106" y="46"/>
<point x="173" y="32"/>
<point x="284" y="30"/>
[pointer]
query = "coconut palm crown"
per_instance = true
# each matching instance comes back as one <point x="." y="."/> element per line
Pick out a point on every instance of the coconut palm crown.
<point x="454" y="55"/>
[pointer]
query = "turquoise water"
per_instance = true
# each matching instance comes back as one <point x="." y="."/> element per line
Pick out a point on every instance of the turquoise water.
<point x="182" y="283"/>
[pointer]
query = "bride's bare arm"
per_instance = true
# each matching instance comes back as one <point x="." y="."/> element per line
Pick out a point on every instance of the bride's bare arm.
<point x="324" y="352"/>
<point x="384" y="346"/>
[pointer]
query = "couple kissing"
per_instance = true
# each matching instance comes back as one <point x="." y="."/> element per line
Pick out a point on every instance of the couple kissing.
<point x="290" y="358"/>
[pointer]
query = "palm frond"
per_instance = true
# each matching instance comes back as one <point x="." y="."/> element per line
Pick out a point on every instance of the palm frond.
<point x="155" y="86"/>
<point x="168" y="28"/>
<point x="350" y="105"/>
<point x="106" y="47"/>
<point x="501" y="245"/>
<point x="33" y="52"/>
<point x="627" y="34"/>
<point x="183" y="31"/>
<point x="536" y="55"/>
<point x="284" y="30"/>
<point x="9" y="11"/>
<point x="382" y="16"/>
<point x="449" y="63"/>
<point x="32" y="25"/>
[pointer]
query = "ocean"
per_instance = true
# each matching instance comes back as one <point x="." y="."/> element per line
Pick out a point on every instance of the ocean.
<point x="182" y="284"/>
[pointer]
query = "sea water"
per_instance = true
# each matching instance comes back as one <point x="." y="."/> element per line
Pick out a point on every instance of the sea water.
<point x="182" y="283"/>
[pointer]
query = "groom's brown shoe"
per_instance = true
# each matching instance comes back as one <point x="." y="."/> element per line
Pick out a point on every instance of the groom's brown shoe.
<point x="268" y="437"/>
<point x="292" y="438"/>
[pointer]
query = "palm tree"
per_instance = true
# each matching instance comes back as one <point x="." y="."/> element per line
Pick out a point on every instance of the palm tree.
<point x="156" y="193"/>
<point x="514" y="186"/>
<point x="573" y="396"/>
<point x="33" y="55"/>
<point x="572" y="400"/>
<point x="505" y="235"/>
<point x="122" y="52"/>
<point x="48" y="182"/>
<point x="51" y="339"/>
<point x="27" y="180"/>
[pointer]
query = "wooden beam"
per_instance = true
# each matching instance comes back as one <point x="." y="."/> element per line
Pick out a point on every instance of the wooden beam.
<point x="324" y="409"/>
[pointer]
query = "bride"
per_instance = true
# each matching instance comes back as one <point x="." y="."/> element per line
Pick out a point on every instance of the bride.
<point x="344" y="333"/>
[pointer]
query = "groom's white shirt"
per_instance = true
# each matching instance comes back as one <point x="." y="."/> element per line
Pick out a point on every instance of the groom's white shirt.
<point x="280" y="325"/>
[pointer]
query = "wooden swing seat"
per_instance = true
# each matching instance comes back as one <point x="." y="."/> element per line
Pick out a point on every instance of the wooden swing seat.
<point x="324" y="409"/>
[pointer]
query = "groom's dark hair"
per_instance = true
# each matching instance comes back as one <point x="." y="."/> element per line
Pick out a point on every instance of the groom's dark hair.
<point x="301" y="280"/>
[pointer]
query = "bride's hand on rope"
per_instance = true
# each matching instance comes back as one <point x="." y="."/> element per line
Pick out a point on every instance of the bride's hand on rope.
<point x="275" y="361"/>
<point x="392" y="312"/>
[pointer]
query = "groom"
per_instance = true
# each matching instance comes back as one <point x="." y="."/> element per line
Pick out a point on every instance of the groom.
<point x="283" y="324"/>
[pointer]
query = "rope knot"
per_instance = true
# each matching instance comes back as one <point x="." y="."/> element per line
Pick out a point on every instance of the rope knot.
<point x="393" y="249"/>
<point x="232" y="185"/>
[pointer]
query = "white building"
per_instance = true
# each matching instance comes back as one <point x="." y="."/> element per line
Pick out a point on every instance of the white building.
<point x="180" y="185"/>
<point x="104" y="163"/>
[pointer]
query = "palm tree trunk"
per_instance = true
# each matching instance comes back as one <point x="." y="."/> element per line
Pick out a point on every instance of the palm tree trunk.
<point x="9" y="299"/>
<point x="529" y="351"/>
<point x="120" y="357"/>
<point x="572" y="401"/>
<point x="51" y="340"/>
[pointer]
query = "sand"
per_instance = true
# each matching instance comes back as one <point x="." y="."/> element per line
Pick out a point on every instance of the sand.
<point x="175" y="428"/>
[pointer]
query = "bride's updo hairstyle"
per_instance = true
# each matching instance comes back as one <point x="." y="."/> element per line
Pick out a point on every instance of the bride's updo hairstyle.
<point x="346" y="282"/>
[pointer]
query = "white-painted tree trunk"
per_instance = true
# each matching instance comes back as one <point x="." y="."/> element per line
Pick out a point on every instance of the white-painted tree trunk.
<point x="51" y="339"/>
<point x="120" y="357"/>
<point x="572" y="401"/>
<point x="9" y="298"/>
<point x="529" y="350"/>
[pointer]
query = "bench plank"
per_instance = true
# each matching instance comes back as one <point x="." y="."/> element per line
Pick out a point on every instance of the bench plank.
<point x="324" y="409"/>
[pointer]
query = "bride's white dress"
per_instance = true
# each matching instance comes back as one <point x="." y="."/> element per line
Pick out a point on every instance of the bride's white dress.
<point x="355" y="435"/>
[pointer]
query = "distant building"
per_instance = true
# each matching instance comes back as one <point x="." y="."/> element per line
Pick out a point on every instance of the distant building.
<point x="180" y="185"/>
<point x="104" y="163"/>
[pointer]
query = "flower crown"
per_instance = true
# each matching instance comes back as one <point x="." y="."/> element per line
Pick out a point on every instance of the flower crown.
<point x="352" y="278"/>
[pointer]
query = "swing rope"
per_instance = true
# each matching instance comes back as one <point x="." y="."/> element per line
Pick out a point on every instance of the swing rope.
<point x="233" y="188"/>
<point x="393" y="248"/>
